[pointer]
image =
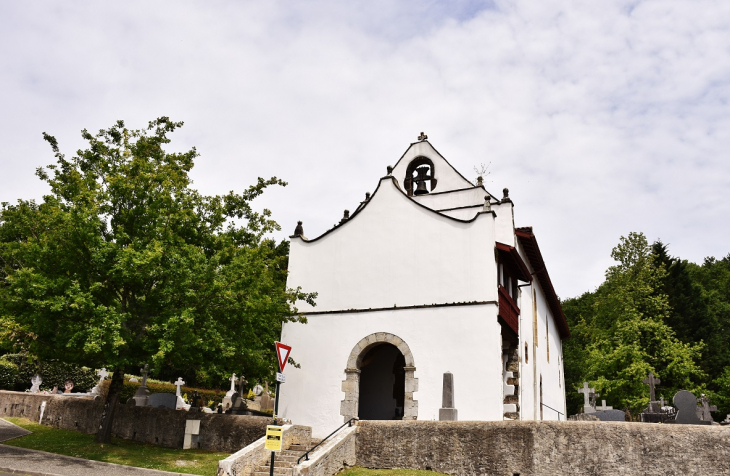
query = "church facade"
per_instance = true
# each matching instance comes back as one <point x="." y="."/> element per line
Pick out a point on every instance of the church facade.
<point x="427" y="276"/>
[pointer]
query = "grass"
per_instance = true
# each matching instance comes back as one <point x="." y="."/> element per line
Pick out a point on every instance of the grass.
<point x="358" y="471"/>
<point x="131" y="453"/>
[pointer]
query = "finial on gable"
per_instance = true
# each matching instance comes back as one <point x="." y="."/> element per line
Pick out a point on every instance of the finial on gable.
<point x="390" y="170"/>
<point x="505" y="197"/>
<point x="422" y="137"/>
<point x="299" y="230"/>
<point x="345" y="216"/>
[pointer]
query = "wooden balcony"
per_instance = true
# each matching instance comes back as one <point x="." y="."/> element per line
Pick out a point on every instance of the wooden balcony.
<point x="509" y="313"/>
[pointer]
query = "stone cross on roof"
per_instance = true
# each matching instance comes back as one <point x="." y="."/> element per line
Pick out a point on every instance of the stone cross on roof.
<point x="422" y="137"/>
<point x="179" y="383"/>
<point x="587" y="408"/>
<point x="652" y="381"/>
<point x="143" y="371"/>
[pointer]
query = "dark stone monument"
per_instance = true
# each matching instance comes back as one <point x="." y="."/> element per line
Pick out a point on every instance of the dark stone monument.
<point x="686" y="404"/>
<point x="610" y="415"/>
<point x="142" y="395"/>
<point x="652" y="382"/>
<point x="164" y="400"/>
<point x="448" y="412"/>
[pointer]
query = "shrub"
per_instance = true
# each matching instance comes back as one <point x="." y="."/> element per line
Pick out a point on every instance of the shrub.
<point x="8" y="374"/>
<point x="53" y="373"/>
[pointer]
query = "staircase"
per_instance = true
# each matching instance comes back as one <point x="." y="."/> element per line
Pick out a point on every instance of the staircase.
<point x="284" y="461"/>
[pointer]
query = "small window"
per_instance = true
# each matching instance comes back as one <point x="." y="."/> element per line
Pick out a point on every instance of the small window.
<point x="547" y="336"/>
<point x="527" y="354"/>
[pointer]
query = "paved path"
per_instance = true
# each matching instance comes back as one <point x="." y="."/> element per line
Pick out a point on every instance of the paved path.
<point x="24" y="462"/>
<point x="9" y="431"/>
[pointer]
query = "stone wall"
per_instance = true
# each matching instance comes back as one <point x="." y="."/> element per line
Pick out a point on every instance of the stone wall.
<point x="544" y="448"/>
<point x="159" y="426"/>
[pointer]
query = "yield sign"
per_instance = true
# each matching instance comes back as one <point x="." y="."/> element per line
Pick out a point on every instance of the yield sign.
<point x="282" y="353"/>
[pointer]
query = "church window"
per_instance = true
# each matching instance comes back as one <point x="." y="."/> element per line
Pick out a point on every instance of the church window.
<point x="547" y="336"/>
<point x="527" y="354"/>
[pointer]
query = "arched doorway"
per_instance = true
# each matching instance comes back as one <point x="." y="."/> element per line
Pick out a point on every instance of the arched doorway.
<point x="385" y="360"/>
<point x="382" y="384"/>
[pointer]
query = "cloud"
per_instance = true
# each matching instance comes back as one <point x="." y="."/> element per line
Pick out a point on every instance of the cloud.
<point x="601" y="117"/>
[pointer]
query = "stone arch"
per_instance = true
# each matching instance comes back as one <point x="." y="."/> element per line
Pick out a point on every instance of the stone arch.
<point x="351" y="384"/>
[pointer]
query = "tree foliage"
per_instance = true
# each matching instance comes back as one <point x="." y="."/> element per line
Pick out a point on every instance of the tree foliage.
<point x="622" y="333"/>
<point x="123" y="263"/>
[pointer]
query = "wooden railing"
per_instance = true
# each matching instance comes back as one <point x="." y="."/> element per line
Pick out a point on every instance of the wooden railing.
<point x="508" y="310"/>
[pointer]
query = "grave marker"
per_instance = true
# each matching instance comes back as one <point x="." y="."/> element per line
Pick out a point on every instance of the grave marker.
<point x="651" y="381"/>
<point x="587" y="408"/>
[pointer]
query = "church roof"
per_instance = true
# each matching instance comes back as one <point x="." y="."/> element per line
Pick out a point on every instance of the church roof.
<point x="532" y="250"/>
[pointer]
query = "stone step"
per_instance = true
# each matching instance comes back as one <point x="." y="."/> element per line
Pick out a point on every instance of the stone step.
<point x="508" y="399"/>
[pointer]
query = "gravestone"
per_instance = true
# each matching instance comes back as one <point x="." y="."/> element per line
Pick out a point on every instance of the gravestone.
<point x="35" y="383"/>
<point x="142" y="394"/>
<point x="703" y="411"/>
<point x="447" y="412"/>
<point x="102" y="375"/>
<point x="610" y="415"/>
<point x="686" y="404"/>
<point x="162" y="400"/>
<point x="231" y="395"/>
<point x="587" y="408"/>
<point x="181" y="405"/>
<point x="652" y="382"/>
<point x="726" y="421"/>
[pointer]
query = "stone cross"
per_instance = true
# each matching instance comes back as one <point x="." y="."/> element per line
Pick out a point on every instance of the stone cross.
<point x="651" y="381"/>
<point x="179" y="383"/>
<point x="144" y="372"/>
<point x="706" y="408"/>
<point x="241" y="383"/>
<point x="233" y="383"/>
<point x="422" y="137"/>
<point x="587" y="408"/>
<point x="603" y="406"/>
<point x="36" y="382"/>
<point x="102" y="374"/>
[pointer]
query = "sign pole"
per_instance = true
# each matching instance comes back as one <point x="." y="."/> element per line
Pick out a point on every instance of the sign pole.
<point x="282" y="355"/>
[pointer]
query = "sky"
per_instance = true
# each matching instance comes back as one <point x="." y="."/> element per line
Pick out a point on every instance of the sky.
<point x="601" y="117"/>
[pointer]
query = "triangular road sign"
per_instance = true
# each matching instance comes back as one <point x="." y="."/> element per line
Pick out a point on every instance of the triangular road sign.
<point x="282" y="353"/>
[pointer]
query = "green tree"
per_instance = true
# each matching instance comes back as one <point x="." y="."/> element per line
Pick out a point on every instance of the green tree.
<point x="625" y="334"/>
<point x="124" y="263"/>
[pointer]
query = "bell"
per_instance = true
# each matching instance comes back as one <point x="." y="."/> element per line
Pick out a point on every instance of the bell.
<point x="421" y="177"/>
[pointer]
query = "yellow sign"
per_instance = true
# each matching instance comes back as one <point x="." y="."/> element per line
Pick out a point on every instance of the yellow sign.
<point x="273" y="437"/>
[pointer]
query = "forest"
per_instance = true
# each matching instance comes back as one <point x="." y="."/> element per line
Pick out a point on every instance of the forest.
<point x="657" y="313"/>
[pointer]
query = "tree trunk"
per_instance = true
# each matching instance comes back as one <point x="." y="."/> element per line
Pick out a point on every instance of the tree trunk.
<point x="104" y="435"/>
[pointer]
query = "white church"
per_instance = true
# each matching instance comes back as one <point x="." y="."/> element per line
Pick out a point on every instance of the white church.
<point x="428" y="276"/>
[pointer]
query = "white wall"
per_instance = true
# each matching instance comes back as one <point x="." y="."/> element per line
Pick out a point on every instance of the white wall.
<point x="460" y="198"/>
<point x="396" y="253"/>
<point x="552" y="372"/>
<point x="464" y="340"/>
<point x="504" y="224"/>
